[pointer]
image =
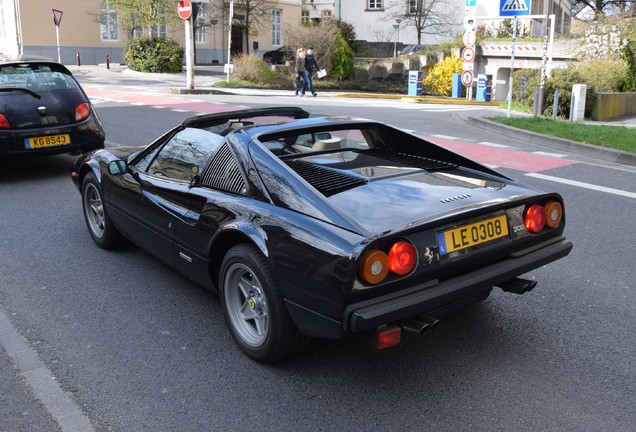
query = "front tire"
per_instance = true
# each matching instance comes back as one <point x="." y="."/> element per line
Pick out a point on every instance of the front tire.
<point x="254" y="309"/>
<point x="100" y="227"/>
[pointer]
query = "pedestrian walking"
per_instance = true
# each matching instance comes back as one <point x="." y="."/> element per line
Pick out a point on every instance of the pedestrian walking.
<point x="310" y="65"/>
<point x="300" y="82"/>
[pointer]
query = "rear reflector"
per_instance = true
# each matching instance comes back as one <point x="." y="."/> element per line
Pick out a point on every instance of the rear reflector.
<point x="388" y="336"/>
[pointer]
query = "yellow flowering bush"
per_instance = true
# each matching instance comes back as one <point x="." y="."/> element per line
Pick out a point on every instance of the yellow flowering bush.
<point x="440" y="80"/>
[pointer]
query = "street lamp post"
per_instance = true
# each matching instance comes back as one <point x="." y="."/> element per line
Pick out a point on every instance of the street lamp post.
<point x="397" y="27"/>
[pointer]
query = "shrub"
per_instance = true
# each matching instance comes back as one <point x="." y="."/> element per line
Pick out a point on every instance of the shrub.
<point x="342" y="65"/>
<point x="154" y="54"/>
<point x="440" y="80"/>
<point x="253" y="69"/>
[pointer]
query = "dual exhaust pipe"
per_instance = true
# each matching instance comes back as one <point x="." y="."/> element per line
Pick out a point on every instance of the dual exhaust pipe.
<point x="420" y="324"/>
<point x="518" y="285"/>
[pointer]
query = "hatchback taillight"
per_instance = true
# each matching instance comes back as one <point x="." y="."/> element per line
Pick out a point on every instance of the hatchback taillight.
<point x="82" y="111"/>
<point x="4" y="122"/>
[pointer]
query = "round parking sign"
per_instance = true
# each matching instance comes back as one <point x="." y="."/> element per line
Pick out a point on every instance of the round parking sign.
<point x="467" y="77"/>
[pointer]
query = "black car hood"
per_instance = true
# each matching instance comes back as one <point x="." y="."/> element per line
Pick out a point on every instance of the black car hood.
<point x="384" y="193"/>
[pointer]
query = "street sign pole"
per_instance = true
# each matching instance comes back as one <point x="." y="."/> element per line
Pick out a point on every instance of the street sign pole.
<point x="57" y="18"/>
<point x="184" y="10"/>
<point x="189" y="54"/>
<point x="228" y="66"/>
<point x="512" y="63"/>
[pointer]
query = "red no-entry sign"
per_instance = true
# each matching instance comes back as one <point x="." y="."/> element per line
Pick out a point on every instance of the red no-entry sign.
<point x="184" y="8"/>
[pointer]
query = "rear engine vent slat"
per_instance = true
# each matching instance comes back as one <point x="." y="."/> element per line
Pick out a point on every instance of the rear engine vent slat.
<point x="326" y="180"/>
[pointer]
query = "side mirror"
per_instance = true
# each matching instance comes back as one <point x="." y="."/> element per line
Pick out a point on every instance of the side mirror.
<point x="117" y="167"/>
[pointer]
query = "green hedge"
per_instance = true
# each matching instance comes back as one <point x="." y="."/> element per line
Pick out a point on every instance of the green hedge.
<point x="154" y="54"/>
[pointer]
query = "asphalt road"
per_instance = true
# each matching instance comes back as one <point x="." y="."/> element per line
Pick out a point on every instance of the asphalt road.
<point x="135" y="346"/>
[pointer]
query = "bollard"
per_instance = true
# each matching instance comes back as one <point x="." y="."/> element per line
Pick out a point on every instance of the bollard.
<point x="79" y="63"/>
<point x="107" y="62"/>
<point x="555" y="106"/>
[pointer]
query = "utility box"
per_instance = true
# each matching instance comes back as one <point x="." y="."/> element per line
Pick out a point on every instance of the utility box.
<point x="577" y="103"/>
<point x="484" y="87"/>
<point x="456" y="90"/>
<point x="415" y="83"/>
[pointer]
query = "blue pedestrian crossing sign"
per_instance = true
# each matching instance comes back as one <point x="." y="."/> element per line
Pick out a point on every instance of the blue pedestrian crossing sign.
<point x="471" y="3"/>
<point x="514" y="7"/>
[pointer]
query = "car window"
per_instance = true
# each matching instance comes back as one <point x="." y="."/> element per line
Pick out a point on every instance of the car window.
<point x="330" y="140"/>
<point x="35" y="77"/>
<point x="183" y="156"/>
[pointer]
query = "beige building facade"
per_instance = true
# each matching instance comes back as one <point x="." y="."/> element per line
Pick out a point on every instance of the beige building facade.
<point x="90" y="30"/>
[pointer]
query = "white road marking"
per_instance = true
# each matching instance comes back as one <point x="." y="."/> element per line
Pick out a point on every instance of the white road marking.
<point x="583" y="185"/>
<point x="556" y="155"/>
<point x="491" y="144"/>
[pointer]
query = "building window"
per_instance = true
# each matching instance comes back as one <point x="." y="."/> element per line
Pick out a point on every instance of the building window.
<point x="412" y="7"/>
<point x="326" y="14"/>
<point x="159" y="31"/>
<point x="200" y="26"/>
<point x="108" y="25"/>
<point x="277" y="15"/>
<point x="374" y="4"/>
<point x="304" y="17"/>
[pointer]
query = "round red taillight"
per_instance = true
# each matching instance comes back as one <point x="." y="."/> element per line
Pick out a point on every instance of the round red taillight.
<point x="535" y="218"/>
<point x="82" y="111"/>
<point x="373" y="266"/>
<point x="4" y="122"/>
<point x="402" y="258"/>
<point x="554" y="214"/>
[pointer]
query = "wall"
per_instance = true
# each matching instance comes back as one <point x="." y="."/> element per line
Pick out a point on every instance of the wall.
<point x="610" y="106"/>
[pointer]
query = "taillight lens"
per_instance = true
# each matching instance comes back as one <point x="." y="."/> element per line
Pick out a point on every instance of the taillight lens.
<point x="4" y="122"/>
<point x="554" y="214"/>
<point x="402" y="258"/>
<point x="82" y="111"/>
<point x="374" y="266"/>
<point x="535" y="218"/>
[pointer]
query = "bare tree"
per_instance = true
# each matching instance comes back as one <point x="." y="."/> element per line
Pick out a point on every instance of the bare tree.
<point x="427" y="17"/>
<point x="606" y="7"/>
<point x="253" y="15"/>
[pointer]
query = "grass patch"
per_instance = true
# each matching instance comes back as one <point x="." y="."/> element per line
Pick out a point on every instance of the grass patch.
<point x="614" y="137"/>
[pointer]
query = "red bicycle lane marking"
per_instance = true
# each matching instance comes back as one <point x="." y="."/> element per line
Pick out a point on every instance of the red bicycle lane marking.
<point x="505" y="158"/>
<point x="160" y="101"/>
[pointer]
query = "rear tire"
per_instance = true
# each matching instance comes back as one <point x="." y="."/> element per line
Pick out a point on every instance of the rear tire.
<point x="100" y="226"/>
<point x="254" y="308"/>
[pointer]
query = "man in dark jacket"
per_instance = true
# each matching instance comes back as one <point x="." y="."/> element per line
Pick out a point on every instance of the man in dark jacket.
<point x="310" y="65"/>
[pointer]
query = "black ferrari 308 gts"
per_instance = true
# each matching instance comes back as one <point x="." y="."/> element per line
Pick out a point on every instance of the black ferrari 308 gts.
<point x="323" y="227"/>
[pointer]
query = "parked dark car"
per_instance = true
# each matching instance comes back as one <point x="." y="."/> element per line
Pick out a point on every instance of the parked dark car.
<point x="44" y="111"/>
<point x="279" y="56"/>
<point x="324" y="227"/>
<point x="411" y="50"/>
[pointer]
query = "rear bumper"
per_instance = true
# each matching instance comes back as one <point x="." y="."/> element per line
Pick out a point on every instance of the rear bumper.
<point x="435" y="295"/>
<point x="432" y="298"/>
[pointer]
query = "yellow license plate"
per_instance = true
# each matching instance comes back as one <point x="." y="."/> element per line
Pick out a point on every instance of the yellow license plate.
<point x="472" y="234"/>
<point x="47" y="141"/>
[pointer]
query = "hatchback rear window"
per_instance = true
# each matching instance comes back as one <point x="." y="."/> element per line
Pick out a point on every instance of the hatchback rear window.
<point x="35" y="77"/>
